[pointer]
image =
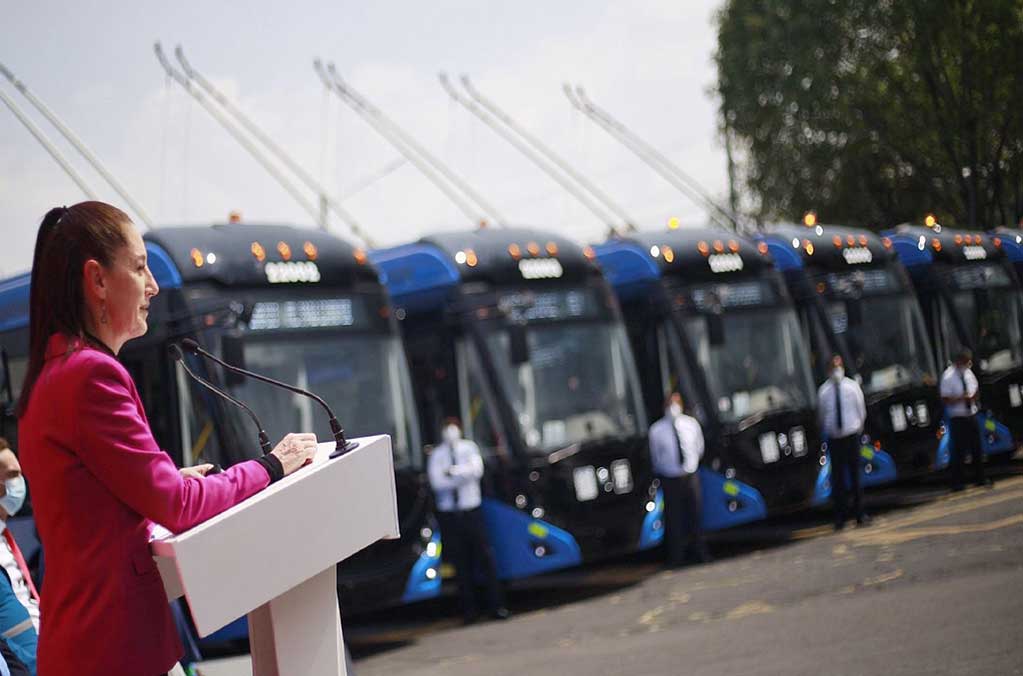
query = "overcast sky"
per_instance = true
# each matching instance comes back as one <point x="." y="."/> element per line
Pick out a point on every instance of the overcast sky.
<point x="647" y="61"/>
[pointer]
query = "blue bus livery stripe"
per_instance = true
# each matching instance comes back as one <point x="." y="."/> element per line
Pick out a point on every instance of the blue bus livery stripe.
<point x="625" y="263"/>
<point x="785" y="256"/>
<point x="164" y="271"/>
<point x="519" y="536"/>
<point x="414" y="269"/>
<point x="907" y="247"/>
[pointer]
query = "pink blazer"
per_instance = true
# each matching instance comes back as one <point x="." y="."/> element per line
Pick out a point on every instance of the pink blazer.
<point x="98" y="479"/>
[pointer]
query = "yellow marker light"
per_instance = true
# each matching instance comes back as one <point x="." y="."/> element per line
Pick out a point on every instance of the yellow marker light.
<point x="310" y="251"/>
<point x="360" y="256"/>
<point x="258" y="251"/>
<point x="284" y="250"/>
<point x="470" y="258"/>
<point x="719" y="246"/>
<point x="886" y="242"/>
<point x="997" y="241"/>
<point x="197" y="258"/>
<point x="810" y="219"/>
<point x="930" y="221"/>
<point x="552" y="248"/>
<point x="936" y="244"/>
<point x="763" y="248"/>
<point x="733" y="246"/>
<point x="669" y="254"/>
<point x="958" y="239"/>
<point x="533" y="248"/>
<point x="673" y="223"/>
<point x="808" y="247"/>
<point x="234" y="217"/>
<point x="863" y="240"/>
<point x="703" y="248"/>
<point x="589" y="253"/>
<point x="837" y="241"/>
<point x="514" y="251"/>
<point x="850" y="240"/>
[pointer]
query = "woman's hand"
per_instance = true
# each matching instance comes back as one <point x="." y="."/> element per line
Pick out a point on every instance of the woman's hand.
<point x="295" y="450"/>
<point x="196" y="471"/>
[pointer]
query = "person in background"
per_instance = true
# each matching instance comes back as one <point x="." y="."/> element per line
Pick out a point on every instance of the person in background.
<point x="99" y="480"/>
<point x="676" y="447"/>
<point x="455" y="468"/>
<point x="959" y="389"/>
<point x="842" y="413"/>
<point x="19" y="600"/>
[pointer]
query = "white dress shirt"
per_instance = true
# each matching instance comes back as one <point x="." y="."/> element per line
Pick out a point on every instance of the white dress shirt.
<point x="854" y="408"/>
<point x="952" y="386"/>
<point x="666" y="435"/>
<point x="455" y="475"/>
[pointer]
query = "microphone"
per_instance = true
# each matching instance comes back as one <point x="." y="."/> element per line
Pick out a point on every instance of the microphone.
<point x="178" y="356"/>
<point x="342" y="445"/>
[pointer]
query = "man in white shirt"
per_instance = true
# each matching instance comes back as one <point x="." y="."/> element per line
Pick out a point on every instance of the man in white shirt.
<point x="842" y="413"/>
<point x="959" y="389"/>
<point x="455" y="468"/>
<point x="676" y="447"/>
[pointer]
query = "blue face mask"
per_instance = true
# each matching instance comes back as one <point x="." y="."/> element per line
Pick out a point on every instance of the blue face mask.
<point x="15" y="497"/>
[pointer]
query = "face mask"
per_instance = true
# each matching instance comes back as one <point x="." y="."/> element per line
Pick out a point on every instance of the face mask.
<point x="452" y="434"/>
<point x="838" y="373"/>
<point x="675" y="410"/>
<point x="15" y="497"/>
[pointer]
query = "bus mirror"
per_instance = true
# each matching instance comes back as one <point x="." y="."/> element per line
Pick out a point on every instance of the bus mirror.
<point x="518" y="344"/>
<point x="234" y="354"/>
<point x="855" y="312"/>
<point x="716" y="329"/>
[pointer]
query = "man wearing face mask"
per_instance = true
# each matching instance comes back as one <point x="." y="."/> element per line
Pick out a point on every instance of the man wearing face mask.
<point x="19" y="600"/>
<point x="959" y="390"/>
<point x="455" y="468"/>
<point x="676" y="446"/>
<point x="842" y="412"/>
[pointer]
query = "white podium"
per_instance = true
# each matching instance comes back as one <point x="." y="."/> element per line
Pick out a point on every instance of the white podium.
<point x="274" y="557"/>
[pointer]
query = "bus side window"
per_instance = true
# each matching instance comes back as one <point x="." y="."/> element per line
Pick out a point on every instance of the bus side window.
<point x="477" y="406"/>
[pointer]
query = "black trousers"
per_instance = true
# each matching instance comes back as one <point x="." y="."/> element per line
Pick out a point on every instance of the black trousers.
<point x="683" y="510"/>
<point x="464" y="535"/>
<point x="845" y="477"/>
<point x="966" y="439"/>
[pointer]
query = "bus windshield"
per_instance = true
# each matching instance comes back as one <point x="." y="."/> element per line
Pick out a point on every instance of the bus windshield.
<point x="886" y="339"/>
<point x="758" y="364"/>
<point x="992" y="317"/>
<point x="578" y="382"/>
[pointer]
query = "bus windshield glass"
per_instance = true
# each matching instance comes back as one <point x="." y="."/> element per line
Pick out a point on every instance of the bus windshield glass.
<point x="574" y="381"/>
<point x="883" y="329"/>
<point x="749" y="346"/>
<point x="991" y="312"/>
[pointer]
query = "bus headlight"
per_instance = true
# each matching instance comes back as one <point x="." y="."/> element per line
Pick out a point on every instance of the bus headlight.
<point x="797" y="435"/>
<point x="585" y="481"/>
<point x="923" y="416"/>
<point x="769" y="451"/>
<point x="621" y="474"/>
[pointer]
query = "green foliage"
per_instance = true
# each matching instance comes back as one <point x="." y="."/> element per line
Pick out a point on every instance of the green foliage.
<point x="875" y="112"/>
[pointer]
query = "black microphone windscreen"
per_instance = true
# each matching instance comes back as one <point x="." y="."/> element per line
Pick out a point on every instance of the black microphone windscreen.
<point x="174" y="350"/>
<point x="190" y="345"/>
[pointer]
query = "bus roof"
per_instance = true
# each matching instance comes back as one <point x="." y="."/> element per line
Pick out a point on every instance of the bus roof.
<point x="832" y="247"/>
<point x="920" y="245"/>
<point x="424" y="272"/>
<point x="698" y="254"/>
<point x="257" y="255"/>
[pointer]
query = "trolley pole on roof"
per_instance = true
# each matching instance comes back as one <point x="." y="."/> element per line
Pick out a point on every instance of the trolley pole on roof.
<point x="546" y="152"/>
<point x="428" y="164"/>
<point x="656" y="160"/>
<point x="521" y="146"/>
<point x="45" y="142"/>
<point x="326" y="202"/>
<point x="78" y="144"/>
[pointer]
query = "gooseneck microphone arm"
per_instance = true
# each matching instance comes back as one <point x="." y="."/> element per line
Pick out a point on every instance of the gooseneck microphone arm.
<point x="342" y="444"/>
<point x="178" y="356"/>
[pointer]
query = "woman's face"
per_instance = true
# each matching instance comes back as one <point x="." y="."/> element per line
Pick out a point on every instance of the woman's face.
<point x="130" y="285"/>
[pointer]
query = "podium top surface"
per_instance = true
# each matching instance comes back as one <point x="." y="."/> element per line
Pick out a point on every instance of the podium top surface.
<point x="283" y="535"/>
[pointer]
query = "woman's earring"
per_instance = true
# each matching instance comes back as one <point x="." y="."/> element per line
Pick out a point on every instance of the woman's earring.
<point x="103" y="313"/>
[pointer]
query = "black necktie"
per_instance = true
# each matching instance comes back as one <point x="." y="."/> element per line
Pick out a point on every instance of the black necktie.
<point x="962" y="379"/>
<point x="838" y="407"/>
<point x="454" y="491"/>
<point x="678" y="444"/>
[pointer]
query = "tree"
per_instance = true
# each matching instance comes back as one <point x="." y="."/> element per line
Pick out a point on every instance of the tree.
<point x="875" y="112"/>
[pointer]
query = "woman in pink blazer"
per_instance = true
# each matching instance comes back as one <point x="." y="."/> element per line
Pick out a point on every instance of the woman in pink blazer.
<point x="98" y="479"/>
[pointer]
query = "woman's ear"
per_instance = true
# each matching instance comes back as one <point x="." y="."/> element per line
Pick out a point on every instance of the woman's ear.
<point x="94" y="280"/>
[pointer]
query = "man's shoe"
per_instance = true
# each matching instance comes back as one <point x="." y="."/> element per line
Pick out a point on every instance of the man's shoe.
<point x="501" y="613"/>
<point x="863" y="520"/>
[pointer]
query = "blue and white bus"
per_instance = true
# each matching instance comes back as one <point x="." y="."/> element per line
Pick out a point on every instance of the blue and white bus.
<point x="971" y="298"/>
<point x="298" y="305"/>
<point x="515" y="332"/>
<point x="709" y="315"/>
<point x="855" y="299"/>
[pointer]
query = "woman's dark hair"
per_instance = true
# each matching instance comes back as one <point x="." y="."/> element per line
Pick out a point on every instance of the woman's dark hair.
<point x="67" y="238"/>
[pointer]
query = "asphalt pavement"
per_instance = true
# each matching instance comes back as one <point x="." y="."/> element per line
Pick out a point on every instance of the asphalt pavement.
<point x="934" y="585"/>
